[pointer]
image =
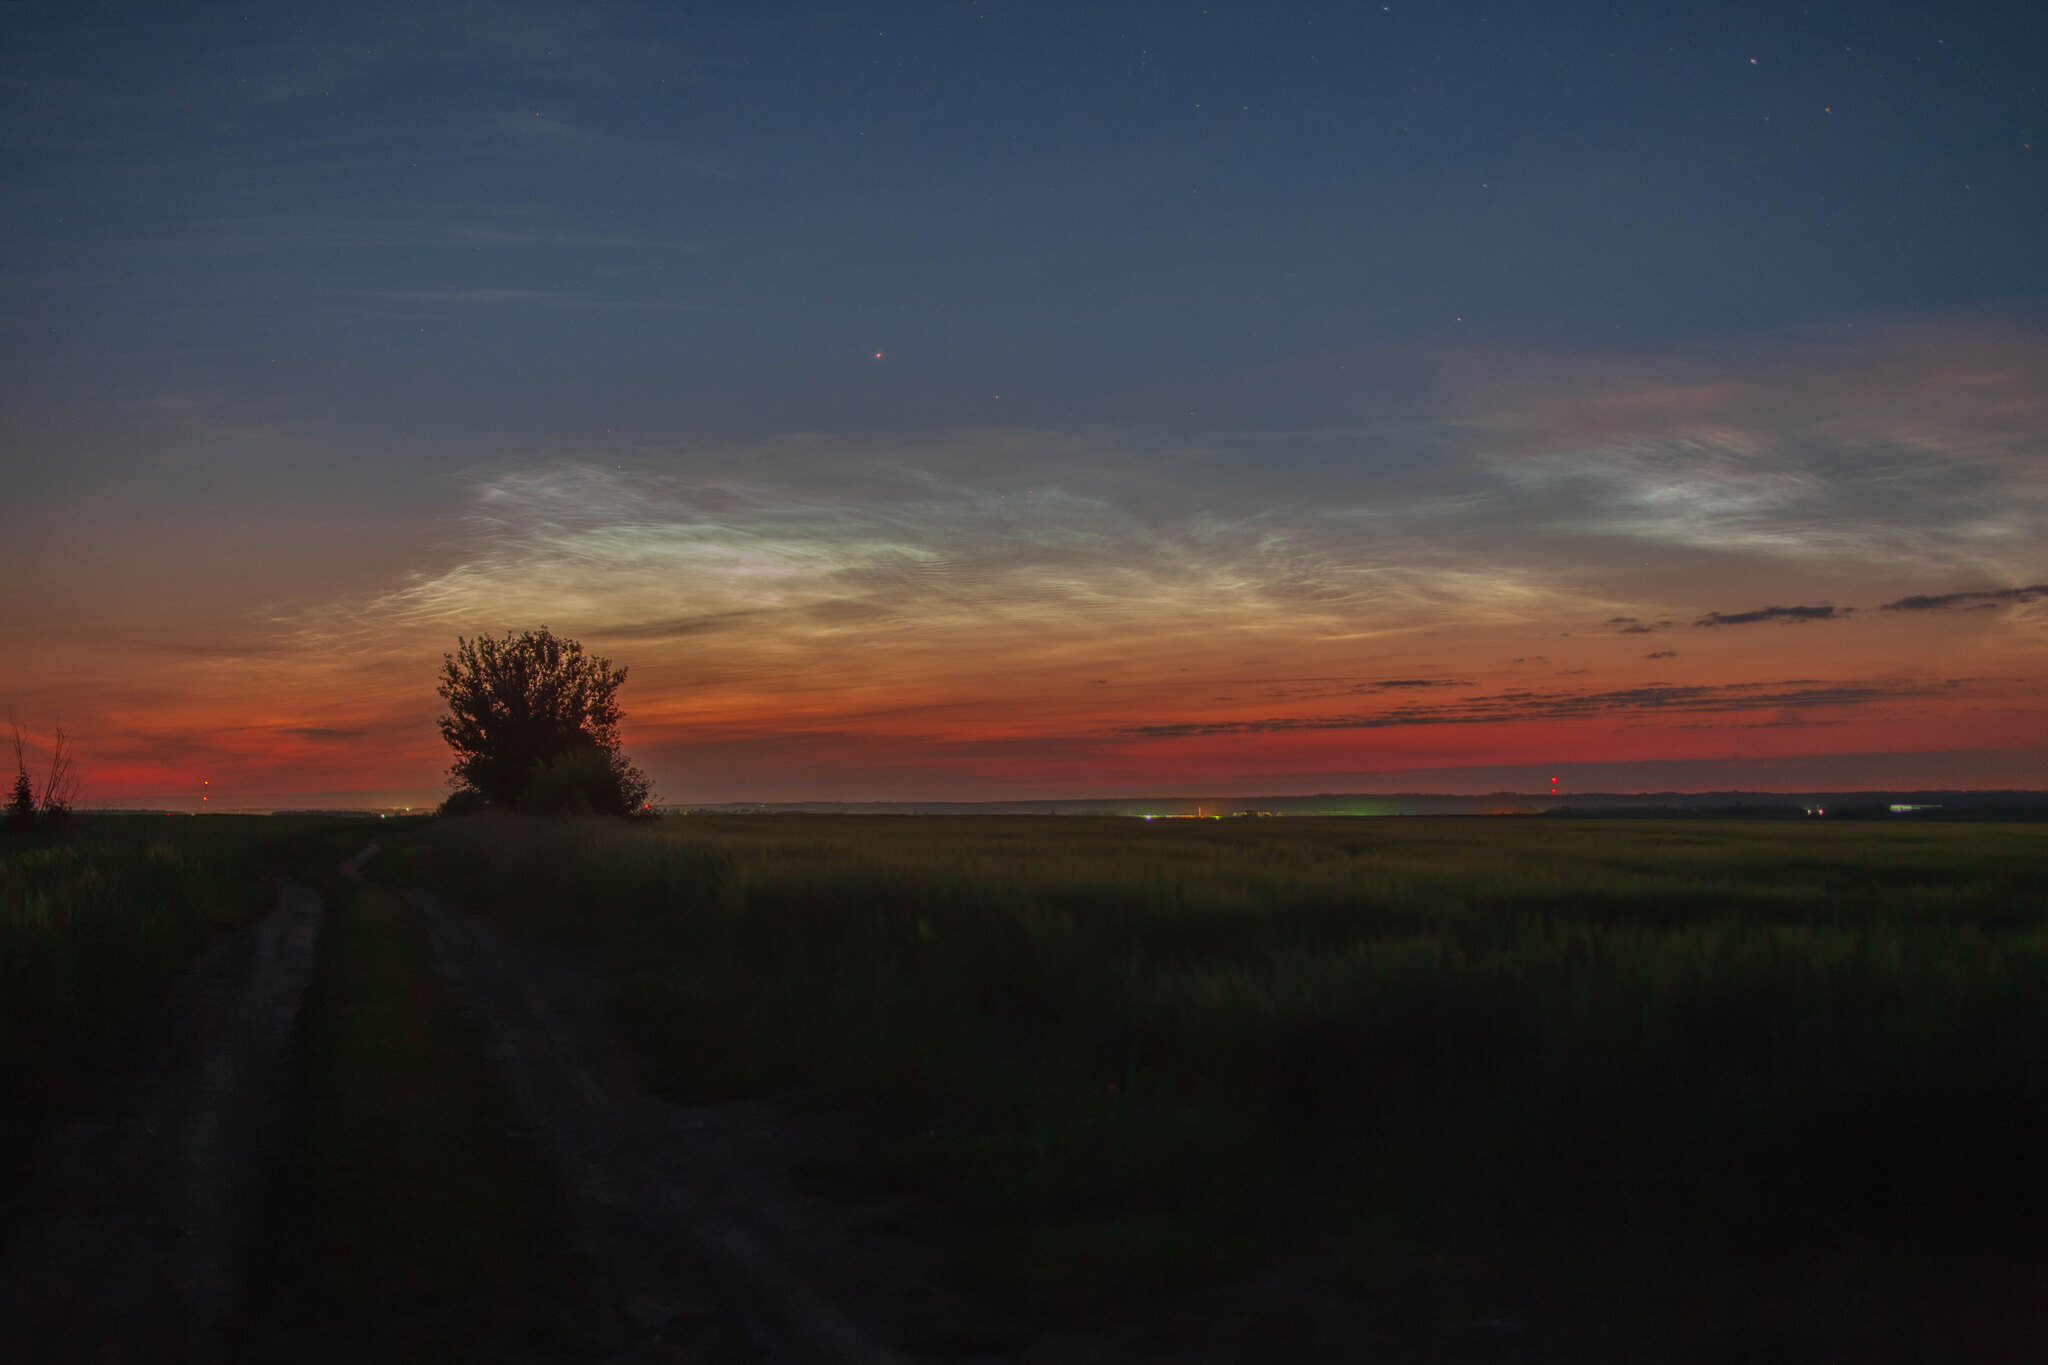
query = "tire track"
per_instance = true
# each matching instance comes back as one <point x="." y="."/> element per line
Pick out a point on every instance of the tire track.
<point x="693" y="1253"/>
<point x="150" y="1200"/>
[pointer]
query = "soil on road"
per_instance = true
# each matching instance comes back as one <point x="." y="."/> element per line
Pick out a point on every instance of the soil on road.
<point x="698" y="1247"/>
<point x="702" y="1244"/>
<point x="134" y="1249"/>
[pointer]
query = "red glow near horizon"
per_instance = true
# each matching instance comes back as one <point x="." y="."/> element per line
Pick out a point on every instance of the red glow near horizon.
<point x="707" y="741"/>
<point x="1181" y="484"/>
<point x="1022" y="614"/>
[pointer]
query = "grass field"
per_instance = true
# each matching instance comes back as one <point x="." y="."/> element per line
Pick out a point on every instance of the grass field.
<point x="1674" y="1064"/>
<point x="408" y="1222"/>
<point x="1131" y="1055"/>
<point x="96" y="917"/>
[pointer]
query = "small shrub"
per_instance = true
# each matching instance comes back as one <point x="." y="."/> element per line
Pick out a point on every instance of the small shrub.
<point x="465" y="801"/>
<point x="21" y="806"/>
<point x="586" y="780"/>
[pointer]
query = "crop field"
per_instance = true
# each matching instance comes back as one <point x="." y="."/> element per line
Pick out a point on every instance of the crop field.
<point x="406" y="1220"/>
<point x="1679" y="1058"/>
<point x="1574" y="1071"/>
<point x="95" y="918"/>
<point x="400" y="1222"/>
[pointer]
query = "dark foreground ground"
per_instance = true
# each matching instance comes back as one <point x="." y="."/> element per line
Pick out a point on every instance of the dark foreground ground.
<point x="829" y="1089"/>
<point x="135" y="1244"/>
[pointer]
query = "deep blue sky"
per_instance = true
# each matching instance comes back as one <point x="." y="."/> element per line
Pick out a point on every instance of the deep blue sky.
<point x="274" y="270"/>
<point x="545" y="214"/>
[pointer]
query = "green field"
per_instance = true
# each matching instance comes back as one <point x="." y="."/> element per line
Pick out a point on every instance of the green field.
<point x="96" y="917"/>
<point x="1683" y="1056"/>
<point x="1658" y="1068"/>
<point x="405" y="1221"/>
<point x="408" y="1221"/>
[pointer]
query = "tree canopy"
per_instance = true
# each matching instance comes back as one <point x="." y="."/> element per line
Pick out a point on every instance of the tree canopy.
<point x="534" y="723"/>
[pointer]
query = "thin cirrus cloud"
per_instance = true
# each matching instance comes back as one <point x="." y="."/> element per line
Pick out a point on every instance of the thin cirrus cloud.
<point x="560" y="299"/>
<point x="1122" y="597"/>
<point x="1314" y="688"/>
<point x="1798" y="695"/>
<point x="1468" y="522"/>
<point x="577" y="140"/>
<point x="336" y="338"/>
<point x="1911" y="446"/>
<point x="987" y="535"/>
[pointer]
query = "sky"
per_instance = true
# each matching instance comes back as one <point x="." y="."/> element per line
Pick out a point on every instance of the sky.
<point x="978" y="401"/>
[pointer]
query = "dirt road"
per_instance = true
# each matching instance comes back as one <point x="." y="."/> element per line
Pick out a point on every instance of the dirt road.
<point x="700" y="1247"/>
<point x="698" y="1244"/>
<point x="703" y="1247"/>
<point x="148" y="1202"/>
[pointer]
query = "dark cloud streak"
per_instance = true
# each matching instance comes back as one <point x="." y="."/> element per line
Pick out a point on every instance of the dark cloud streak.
<point x="1785" y="615"/>
<point x="1968" y="600"/>
<point x="1803" y="694"/>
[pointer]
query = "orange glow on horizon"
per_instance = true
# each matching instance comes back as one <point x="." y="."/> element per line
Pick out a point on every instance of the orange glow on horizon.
<point x="1615" y="580"/>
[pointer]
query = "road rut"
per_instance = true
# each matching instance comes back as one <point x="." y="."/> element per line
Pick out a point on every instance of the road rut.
<point x="698" y="1249"/>
<point x="148" y="1202"/>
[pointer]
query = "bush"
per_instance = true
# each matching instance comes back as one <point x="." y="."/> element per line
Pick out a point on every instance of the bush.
<point x="585" y="781"/>
<point x="21" y="806"/>
<point x="465" y="801"/>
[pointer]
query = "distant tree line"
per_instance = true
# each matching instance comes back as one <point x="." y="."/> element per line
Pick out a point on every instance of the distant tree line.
<point x="534" y="724"/>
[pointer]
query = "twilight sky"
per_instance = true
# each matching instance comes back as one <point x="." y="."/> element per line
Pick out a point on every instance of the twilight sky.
<point x="1002" y="400"/>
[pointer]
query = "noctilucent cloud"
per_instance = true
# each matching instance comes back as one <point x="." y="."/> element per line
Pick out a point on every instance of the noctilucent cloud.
<point x="956" y="401"/>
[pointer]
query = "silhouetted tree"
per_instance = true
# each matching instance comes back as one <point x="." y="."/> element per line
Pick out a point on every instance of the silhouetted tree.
<point x="25" y="810"/>
<point x="534" y="723"/>
<point x="21" y="806"/>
